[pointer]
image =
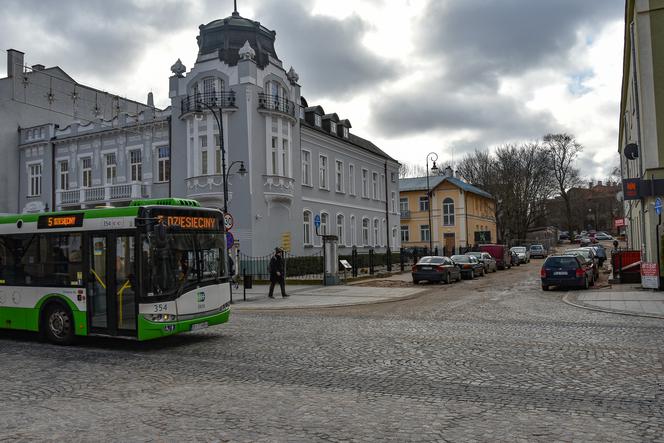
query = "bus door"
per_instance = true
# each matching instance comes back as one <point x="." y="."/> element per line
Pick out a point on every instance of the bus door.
<point x="111" y="284"/>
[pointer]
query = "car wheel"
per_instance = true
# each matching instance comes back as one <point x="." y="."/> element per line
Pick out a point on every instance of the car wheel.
<point x="545" y="287"/>
<point x="58" y="324"/>
<point x="448" y="279"/>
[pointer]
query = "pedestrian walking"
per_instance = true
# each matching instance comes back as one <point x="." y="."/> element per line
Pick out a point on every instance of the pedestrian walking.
<point x="276" y="269"/>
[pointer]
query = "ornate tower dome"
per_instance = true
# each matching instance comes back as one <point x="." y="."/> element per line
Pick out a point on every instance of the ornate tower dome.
<point x="226" y="36"/>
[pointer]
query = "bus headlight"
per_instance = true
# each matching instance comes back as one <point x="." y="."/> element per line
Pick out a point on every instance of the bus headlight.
<point x="161" y="318"/>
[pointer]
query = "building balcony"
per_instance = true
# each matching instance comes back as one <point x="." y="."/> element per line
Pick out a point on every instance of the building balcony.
<point x="276" y="104"/>
<point x="278" y="188"/>
<point x="102" y="194"/>
<point x="405" y="214"/>
<point x="205" y="186"/>
<point x="216" y="100"/>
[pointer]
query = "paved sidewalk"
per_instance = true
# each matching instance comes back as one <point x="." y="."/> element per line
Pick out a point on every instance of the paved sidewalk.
<point x="307" y="296"/>
<point x="620" y="299"/>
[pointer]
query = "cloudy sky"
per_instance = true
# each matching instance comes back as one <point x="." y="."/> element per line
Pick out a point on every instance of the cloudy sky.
<point x="413" y="76"/>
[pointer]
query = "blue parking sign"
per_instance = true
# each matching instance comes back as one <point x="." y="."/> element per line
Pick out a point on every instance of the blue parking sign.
<point x="317" y="220"/>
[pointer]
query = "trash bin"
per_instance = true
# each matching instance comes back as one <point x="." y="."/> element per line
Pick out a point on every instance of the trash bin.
<point x="248" y="282"/>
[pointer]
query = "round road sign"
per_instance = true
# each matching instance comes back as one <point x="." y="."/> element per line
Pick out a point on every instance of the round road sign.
<point x="228" y="221"/>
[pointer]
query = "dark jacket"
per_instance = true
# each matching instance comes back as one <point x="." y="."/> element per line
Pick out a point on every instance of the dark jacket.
<point x="276" y="265"/>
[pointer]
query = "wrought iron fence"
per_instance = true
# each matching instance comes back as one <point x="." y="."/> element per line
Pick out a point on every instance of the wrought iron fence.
<point x="197" y="102"/>
<point x="309" y="267"/>
<point x="276" y="103"/>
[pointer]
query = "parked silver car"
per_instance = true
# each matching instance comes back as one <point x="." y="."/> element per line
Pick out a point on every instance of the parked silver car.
<point x="522" y="252"/>
<point x="486" y="259"/>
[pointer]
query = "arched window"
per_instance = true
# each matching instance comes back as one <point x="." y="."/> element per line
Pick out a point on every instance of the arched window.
<point x="324" y="219"/>
<point x="353" y="231"/>
<point x="306" y="221"/>
<point x="376" y="232"/>
<point x="365" y="231"/>
<point x="448" y="212"/>
<point x="340" y="229"/>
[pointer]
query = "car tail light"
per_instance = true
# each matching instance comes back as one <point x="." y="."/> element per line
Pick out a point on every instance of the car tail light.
<point x="414" y="269"/>
<point x="580" y="272"/>
<point x="467" y="266"/>
<point x="543" y="273"/>
<point x="440" y="268"/>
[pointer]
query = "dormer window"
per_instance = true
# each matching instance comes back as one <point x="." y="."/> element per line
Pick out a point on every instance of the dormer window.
<point x="318" y="120"/>
<point x="333" y="128"/>
<point x="345" y="131"/>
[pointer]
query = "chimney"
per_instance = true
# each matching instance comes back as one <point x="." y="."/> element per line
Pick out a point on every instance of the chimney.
<point x="14" y="63"/>
<point x="448" y="172"/>
<point x="38" y="67"/>
<point x="150" y="100"/>
<point x="590" y="184"/>
<point x="599" y="182"/>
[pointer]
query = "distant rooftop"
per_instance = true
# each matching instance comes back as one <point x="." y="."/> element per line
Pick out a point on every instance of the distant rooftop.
<point x="420" y="184"/>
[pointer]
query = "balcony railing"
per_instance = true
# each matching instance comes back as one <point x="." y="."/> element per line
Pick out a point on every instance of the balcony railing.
<point x="276" y="103"/>
<point x="278" y="188"/>
<point x="405" y="213"/>
<point x="197" y="102"/>
<point x="101" y="194"/>
<point x="205" y="185"/>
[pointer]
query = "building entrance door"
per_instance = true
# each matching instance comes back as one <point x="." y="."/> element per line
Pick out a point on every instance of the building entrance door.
<point x="449" y="244"/>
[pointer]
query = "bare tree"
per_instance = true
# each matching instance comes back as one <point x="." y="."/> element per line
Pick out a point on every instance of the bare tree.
<point x="407" y="170"/>
<point x="563" y="151"/>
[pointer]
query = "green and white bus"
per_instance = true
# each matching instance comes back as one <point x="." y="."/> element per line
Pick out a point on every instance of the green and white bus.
<point x="148" y="270"/>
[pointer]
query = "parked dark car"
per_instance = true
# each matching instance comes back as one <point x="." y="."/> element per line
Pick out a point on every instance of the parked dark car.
<point x="470" y="266"/>
<point x="537" y="251"/>
<point x="600" y="253"/>
<point x="565" y="271"/>
<point x="486" y="259"/>
<point x="500" y="253"/>
<point x="588" y="255"/>
<point x="435" y="269"/>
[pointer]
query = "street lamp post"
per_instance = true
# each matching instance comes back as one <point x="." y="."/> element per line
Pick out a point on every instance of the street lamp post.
<point x="434" y="169"/>
<point x="224" y="171"/>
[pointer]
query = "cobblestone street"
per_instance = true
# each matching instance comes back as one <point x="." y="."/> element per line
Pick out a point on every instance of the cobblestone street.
<point x="490" y="359"/>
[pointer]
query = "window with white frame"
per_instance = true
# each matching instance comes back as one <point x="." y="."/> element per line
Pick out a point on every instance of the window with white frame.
<point x="405" y="233"/>
<point x="274" y="155"/>
<point x="403" y="204"/>
<point x="393" y="201"/>
<point x="353" y="231"/>
<point x="111" y="163"/>
<point x="136" y="161"/>
<point x="365" y="231"/>
<point x="340" y="176"/>
<point x="323" y="173"/>
<point x="340" y="229"/>
<point x="306" y="225"/>
<point x="86" y="172"/>
<point x="306" y="168"/>
<point x="217" y="154"/>
<point x="376" y="232"/>
<point x="203" y="143"/>
<point x="324" y="222"/>
<point x="164" y="164"/>
<point x="351" y="179"/>
<point x="284" y="158"/>
<point x="345" y="131"/>
<point x="384" y="231"/>
<point x="425" y="233"/>
<point x="301" y="113"/>
<point x="448" y="212"/>
<point x="318" y="120"/>
<point x="365" y="183"/>
<point x="64" y="175"/>
<point x="35" y="179"/>
<point x="374" y="185"/>
<point x="333" y="128"/>
<point x="424" y="203"/>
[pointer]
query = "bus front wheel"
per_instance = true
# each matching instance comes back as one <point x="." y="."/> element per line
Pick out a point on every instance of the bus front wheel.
<point x="58" y="324"/>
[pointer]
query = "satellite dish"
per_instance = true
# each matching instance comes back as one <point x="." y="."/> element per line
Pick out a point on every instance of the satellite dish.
<point x="631" y="151"/>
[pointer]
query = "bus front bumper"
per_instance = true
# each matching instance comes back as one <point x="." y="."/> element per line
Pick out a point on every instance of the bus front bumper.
<point x="149" y="330"/>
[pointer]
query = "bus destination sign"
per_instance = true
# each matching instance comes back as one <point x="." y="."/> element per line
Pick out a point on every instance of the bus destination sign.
<point x="60" y="221"/>
<point x="190" y="221"/>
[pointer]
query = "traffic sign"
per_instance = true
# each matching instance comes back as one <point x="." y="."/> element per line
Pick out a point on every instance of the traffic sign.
<point x="228" y="221"/>
<point x="229" y="240"/>
<point x="658" y="206"/>
<point x="317" y="220"/>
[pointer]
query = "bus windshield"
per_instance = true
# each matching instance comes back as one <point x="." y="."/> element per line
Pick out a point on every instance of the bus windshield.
<point x="186" y="259"/>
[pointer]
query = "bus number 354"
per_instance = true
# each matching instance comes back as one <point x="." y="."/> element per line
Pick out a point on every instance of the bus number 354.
<point x="160" y="307"/>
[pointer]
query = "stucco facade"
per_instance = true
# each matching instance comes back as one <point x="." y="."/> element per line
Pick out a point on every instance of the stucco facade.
<point x="300" y="162"/>
<point x="461" y="215"/>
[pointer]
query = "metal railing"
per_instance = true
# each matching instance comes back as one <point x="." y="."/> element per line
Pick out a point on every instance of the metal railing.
<point x="276" y="103"/>
<point x="193" y="103"/>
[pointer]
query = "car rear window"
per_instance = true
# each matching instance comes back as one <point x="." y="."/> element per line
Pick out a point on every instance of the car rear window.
<point x="461" y="258"/>
<point x="432" y="260"/>
<point x="563" y="262"/>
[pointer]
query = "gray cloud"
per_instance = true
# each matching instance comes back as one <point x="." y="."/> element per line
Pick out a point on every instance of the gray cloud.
<point x="326" y="52"/>
<point x="481" y="40"/>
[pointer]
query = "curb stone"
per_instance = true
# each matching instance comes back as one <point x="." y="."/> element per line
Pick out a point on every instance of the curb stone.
<point x="572" y="300"/>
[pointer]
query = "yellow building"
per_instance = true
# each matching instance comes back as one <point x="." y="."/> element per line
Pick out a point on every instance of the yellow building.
<point x="461" y="214"/>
